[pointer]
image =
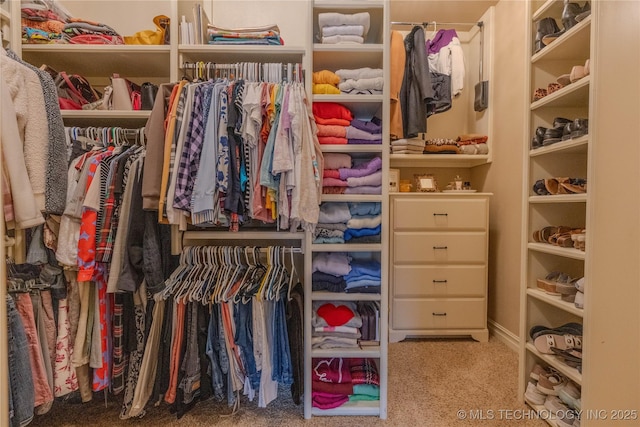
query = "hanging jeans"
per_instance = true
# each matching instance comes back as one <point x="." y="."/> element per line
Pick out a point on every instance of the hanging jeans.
<point x="21" y="393"/>
<point x="281" y="354"/>
<point x="213" y="350"/>
<point x="244" y="340"/>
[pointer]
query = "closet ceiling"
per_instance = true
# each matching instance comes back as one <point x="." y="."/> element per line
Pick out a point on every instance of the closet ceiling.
<point x="439" y="10"/>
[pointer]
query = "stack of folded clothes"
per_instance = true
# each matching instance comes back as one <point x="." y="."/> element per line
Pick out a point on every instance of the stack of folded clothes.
<point x="364" y="132"/>
<point x="332" y="120"/>
<point x="364" y="177"/>
<point x="352" y="222"/>
<point x="333" y="162"/>
<point x="326" y="82"/>
<point x="337" y="28"/>
<point x="352" y="274"/>
<point x="407" y="146"/>
<point x="336" y="381"/>
<point x="263" y="35"/>
<point x="82" y="31"/>
<point x="361" y="81"/>
<point x="473" y="144"/>
<point x="335" y="326"/>
<point x="441" y="146"/>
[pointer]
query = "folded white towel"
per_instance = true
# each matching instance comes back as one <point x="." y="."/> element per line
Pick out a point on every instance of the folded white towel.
<point x="410" y="141"/>
<point x="342" y="39"/>
<point x="343" y="30"/>
<point x="362" y="84"/>
<point x="360" y="73"/>
<point x="331" y="19"/>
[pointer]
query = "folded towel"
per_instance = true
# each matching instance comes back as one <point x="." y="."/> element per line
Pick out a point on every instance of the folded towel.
<point x="337" y="160"/>
<point x="364" y="222"/>
<point x="326" y="76"/>
<point x="362" y="92"/>
<point x="342" y="39"/>
<point x="332" y="19"/>
<point x="337" y="122"/>
<point x="407" y="151"/>
<point x="362" y="169"/>
<point x="325" y="89"/>
<point x="363" y="189"/>
<point x="474" y="149"/>
<point x="369" y="180"/>
<point x="360" y="73"/>
<point x="441" y="149"/>
<point x="375" y="83"/>
<point x="374" y="126"/>
<point x="334" y="212"/>
<point x="466" y="136"/>
<point x="331" y="110"/>
<point x="355" y="133"/>
<point x="331" y="140"/>
<point x="332" y="130"/>
<point x="343" y="30"/>
<point x="334" y="190"/>
<point x="413" y="148"/>
<point x="333" y="182"/>
<point x="410" y="141"/>
<point x="331" y="173"/>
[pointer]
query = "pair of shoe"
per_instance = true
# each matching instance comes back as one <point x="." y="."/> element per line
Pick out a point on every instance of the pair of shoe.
<point x="565" y="337"/>
<point x="577" y="72"/>
<point x="561" y="128"/>
<point x="556" y="235"/>
<point x="560" y="284"/>
<point x="579" y="240"/>
<point x="572" y="13"/>
<point x="562" y="185"/>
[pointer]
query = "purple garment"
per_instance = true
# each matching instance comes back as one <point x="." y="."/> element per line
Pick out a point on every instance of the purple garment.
<point x="373" y="179"/>
<point x="373" y="127"/>
<point x="363" y="169"/>
<point x="442" y="39"/>
<point x="365" y="189"/>
<point x="364" y="141"/>
<point x="355" y="133"/>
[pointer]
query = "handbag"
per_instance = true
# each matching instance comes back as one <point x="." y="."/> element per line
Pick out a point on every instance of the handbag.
<point x="126" y="94"/>
<point x="74" y="91"/>
<point x="481" y="99"/>
<point x="148" y="92"/>
<point x="151" y="37"/>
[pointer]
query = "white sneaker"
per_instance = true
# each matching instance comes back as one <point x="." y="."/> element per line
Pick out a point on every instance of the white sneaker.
<point x="534" y="395"/>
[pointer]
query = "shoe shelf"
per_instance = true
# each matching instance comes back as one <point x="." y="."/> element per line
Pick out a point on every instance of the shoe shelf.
<point x="571" y="146"/>
<point x="569" y="96"/>
<point x="544" y="413"/>
<point x="574" y="44"/>
<point x="556" y="250"/>
<point x="342" y="296"/>
<point x="555" y="301"/>
<point x="559" y="198"/>
<point x="546" y="8"/>
<point x="563" y="368"/>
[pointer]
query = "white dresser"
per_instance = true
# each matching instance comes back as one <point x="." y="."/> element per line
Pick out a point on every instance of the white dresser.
<point x="438" y="265"/>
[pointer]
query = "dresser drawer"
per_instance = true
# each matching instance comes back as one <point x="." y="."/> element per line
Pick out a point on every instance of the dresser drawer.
<point x="424" y="281"/>
<point x="431" y="213"/>
<point x="439" y="314"/>
<point x="439" y="247"/>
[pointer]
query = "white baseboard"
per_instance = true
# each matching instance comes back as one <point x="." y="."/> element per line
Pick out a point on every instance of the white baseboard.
<point x="503" y="334"/>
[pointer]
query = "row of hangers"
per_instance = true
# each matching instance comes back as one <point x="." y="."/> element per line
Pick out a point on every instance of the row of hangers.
<point x="107" y="136"/>
<point x="271" y="72"/>
<point x="215" y="274"/>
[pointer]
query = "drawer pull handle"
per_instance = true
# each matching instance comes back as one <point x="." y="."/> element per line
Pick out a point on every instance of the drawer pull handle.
<point x="440" y="281"/>
<point x="439" y="214"/>
<point x="439" y="247"/>
<point x="439" y="314"/>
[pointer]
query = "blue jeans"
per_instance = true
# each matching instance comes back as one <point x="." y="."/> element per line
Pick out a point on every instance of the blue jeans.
<point x="21" y="394"/>
<point x="213" y="350"/>
<point x="244" y="340"/>
<point x="280" y="351"/>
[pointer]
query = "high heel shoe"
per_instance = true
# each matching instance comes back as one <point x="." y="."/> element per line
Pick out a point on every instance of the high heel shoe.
<point x="544" y="27"/>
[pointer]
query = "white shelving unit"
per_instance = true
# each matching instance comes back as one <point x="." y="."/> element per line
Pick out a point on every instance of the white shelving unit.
<point x="567" y="158"/>
<point x="373" y="53"/>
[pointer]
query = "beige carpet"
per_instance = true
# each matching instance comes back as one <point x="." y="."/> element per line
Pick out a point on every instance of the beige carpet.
<point x="429" y="382"/>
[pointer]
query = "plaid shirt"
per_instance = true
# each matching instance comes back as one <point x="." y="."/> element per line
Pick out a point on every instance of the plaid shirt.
<point x="190" y="156"/>
<point x="179" y="119"/>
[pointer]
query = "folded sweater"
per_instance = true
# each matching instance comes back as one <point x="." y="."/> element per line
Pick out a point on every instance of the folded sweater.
<point x="355" y="133"/>
<point x="332" y="130"/>
<point x="325" y="89"/>
<point x="331" y="110"/>
<point x="334" y="212"/>
<point x="337" y="160"/>
<point x="326" y="76"/>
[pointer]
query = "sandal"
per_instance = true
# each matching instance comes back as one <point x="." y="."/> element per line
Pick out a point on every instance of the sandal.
<point x="550" y="283"/>
<point x="545" y="342"/>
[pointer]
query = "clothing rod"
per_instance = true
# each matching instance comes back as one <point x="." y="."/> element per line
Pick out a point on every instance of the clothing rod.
<point x="424" y="24"/>
<point x="262" y="249"/>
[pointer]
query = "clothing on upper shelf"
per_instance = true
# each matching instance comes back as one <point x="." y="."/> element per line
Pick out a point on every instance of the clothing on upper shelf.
<point x="343" y="27"/>
<point x="262" y="35"/>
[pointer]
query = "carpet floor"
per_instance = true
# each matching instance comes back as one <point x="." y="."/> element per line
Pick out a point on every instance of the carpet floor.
<point x="430" y="382"/>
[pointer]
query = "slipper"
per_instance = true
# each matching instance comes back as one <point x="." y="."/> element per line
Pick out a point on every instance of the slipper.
<point x="553" y="87"/>
<point x="564" y="79"/>
<point x="543" y="343"/>
<point x="577" y="72"/>
<point x="572" y="355"/>
<point x="573" y="328"/>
